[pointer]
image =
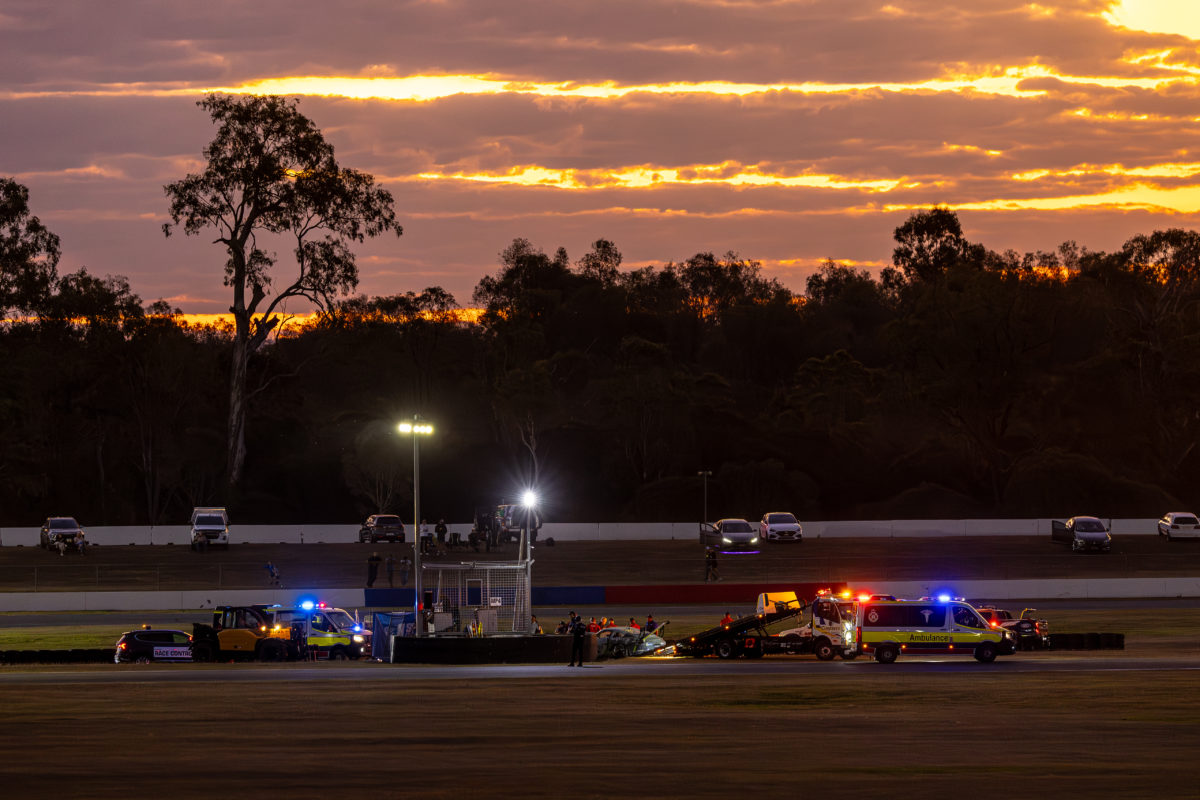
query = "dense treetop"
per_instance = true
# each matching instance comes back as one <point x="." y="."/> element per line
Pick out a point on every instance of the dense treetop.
<point x="961" y="382"/>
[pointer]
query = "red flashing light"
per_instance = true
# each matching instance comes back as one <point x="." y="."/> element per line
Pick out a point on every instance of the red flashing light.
<point x="862" y="598"/>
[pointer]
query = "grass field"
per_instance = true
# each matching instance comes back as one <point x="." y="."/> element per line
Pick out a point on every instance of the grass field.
<point x="979" y="734"/>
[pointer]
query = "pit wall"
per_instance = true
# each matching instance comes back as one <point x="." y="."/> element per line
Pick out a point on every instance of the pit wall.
<point x="735" y="595"/>
<point x="581" y="531"/>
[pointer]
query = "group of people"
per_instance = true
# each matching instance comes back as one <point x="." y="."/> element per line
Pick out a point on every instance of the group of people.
<point x="595" y="626"/>
<point x="389" y="564"/>
<point x="441" y="531"/>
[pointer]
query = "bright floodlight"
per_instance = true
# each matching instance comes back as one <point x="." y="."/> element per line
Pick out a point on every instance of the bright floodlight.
<point x="530" y="498"/>
<point x="408" y="427"/>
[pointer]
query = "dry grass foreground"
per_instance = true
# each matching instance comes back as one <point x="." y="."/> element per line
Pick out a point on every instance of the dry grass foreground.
<point x="982" y="734"/>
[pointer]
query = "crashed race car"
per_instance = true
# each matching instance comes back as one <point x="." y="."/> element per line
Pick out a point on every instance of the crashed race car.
<point x="622" y="642"/>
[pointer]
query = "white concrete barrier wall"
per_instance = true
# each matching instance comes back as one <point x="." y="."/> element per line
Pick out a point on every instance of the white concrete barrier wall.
<point x="581" y="531"/>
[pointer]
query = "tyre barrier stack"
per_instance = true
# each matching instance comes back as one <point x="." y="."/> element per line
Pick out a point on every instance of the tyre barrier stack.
<point x="90" y="656"/>
<point x="1087" y="641"/>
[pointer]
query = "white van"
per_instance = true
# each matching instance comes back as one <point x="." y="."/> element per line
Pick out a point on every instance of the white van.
<point x="210" y="527"/>
<point x="941" y="626"/>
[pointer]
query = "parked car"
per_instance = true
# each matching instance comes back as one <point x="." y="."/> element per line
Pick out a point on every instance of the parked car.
<point x="730" y="536"/>
<point x="63" y="531"/>
<point x="382" y="527"/>
<point x="1032" y="633"/>
<point x="148" y="644"/>
<point x="779" y="526"/>
<point x="210" y="527"/>
<point x="1082" y="533"/>
<point x="1179" y="525"/>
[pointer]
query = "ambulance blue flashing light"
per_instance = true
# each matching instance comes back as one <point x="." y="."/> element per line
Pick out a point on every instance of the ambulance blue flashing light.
<point x="943" y="598"/>
<point x="308" y="605"/>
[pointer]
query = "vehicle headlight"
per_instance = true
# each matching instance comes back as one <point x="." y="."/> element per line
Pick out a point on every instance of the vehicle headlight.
<point x="754" y="540"/>
<point x="358" y="639"/>
<point x="726" y="540"/>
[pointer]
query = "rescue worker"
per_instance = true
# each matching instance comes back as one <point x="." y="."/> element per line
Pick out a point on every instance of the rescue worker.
<point x="728" y="618"/>
<point x="578" y="632"/>
<point x="711" y="573"/>
<point x="650" y="623"/>
<point x="633" y="624"/>
<point x="372" y="568"/>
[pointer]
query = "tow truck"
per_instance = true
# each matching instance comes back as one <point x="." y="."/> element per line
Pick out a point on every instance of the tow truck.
<point x="829" y="632"/>
<point x="328" y="633"/>
<point x="242" y="633"/>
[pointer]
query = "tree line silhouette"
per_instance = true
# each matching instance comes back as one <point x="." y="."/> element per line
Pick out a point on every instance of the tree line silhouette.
<point x="959" y="382"/>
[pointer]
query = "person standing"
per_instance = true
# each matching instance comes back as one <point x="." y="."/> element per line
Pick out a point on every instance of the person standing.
<point x="711" y="573"/>
<point x="578" y="632"/>
<point x="650" y="623"/>
<point x="372" y="569"/>
<point x="390" y="565"/>
<point x="440" y="529"/>
<point x="426" y="538"/>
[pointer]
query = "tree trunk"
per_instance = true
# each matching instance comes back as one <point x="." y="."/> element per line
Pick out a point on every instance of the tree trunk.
<point x="236" y="443"/>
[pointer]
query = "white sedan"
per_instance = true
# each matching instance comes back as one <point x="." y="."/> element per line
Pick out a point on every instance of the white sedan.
<point x="780" y="526"/>
<point x="1179" y="525"/>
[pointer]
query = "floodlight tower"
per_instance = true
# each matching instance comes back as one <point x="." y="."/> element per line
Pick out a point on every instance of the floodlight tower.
<point x="529" y="500"/>
<point x="416" y="429"/>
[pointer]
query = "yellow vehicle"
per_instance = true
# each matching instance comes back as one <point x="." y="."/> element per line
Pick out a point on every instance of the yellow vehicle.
<point x="329" y="633"/>
<point x="931" y="626"/>
<point x="241" y="632"/>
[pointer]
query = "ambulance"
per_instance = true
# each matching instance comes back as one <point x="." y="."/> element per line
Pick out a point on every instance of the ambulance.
<point x="931" y="626"/>
<point x="329" y="633"/>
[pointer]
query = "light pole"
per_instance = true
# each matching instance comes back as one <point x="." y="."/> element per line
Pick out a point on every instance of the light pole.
<point x="416" y="429"/>
<point x="529" y="500"/>
<point x="705" y="474"/>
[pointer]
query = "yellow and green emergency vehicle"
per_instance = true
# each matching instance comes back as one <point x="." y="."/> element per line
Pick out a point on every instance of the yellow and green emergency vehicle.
<point x="931" y="626"/>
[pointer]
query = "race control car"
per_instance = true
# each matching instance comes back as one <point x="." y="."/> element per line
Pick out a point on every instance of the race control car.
<point x="148" y="644"/>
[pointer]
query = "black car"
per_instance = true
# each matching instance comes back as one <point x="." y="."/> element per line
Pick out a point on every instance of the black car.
<point x="148" y="644"/>
<point x="1082" y="533"/>
<point x="382" y="528"/>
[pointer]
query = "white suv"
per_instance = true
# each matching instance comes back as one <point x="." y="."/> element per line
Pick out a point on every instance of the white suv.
<point x="780" y="526"/>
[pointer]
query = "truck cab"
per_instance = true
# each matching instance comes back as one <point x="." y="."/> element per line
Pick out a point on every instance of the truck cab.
<point x="241" y="632"/>
<point x="831" y="626"/>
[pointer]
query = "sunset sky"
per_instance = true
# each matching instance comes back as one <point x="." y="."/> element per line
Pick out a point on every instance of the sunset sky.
<point x="787" y="131"/>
